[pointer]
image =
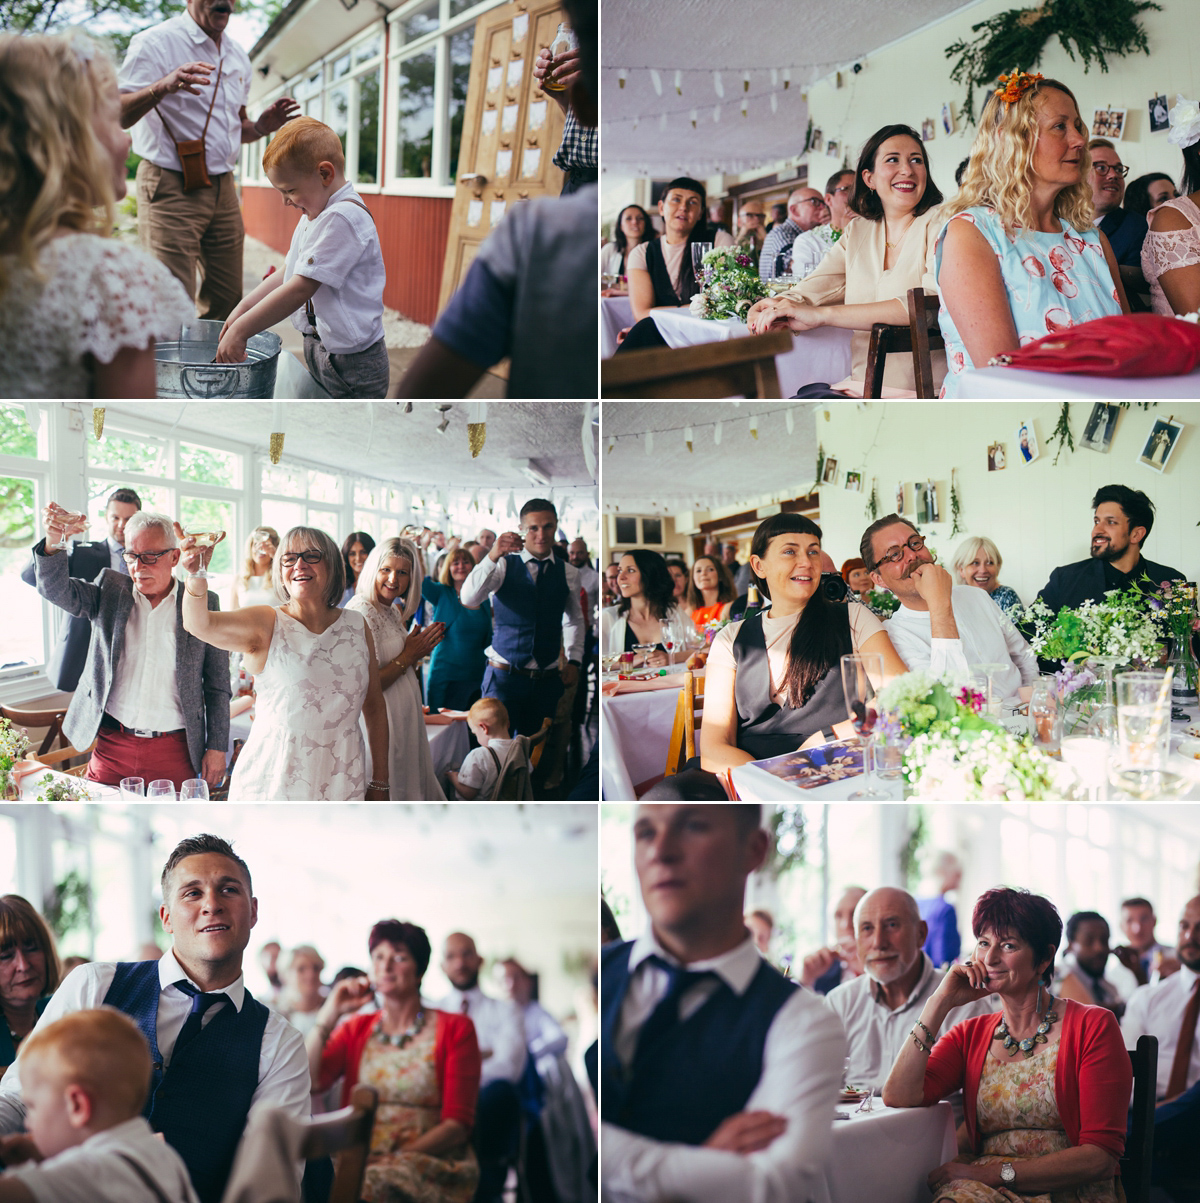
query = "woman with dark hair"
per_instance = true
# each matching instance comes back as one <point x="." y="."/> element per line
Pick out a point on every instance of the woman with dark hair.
<point x="424" y="1064"/>
<point x="711" y="592"/>
<point x="632" y="227"/>
<point x="680" y="575"/>
<point x="774" y="681"/>
<point x="355" y="549"/>
<point x="29" y="972"/>
<point x="865" y="278"/>
<point x="1148" y="191"/>
<point x="647" y="592"/>
<point x="1171" y="252"/>
<point x="1046" y="1082"/>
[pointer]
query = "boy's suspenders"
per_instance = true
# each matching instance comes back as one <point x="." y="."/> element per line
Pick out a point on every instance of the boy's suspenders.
<point x="309" y="311"/>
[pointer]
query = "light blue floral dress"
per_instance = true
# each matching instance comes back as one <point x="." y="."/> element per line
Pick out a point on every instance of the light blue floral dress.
<point x="1054" y="281"/>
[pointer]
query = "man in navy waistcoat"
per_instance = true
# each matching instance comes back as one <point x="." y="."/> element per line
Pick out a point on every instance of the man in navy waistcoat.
<point x="718" y="1076"/>
<point x="218" y="1053"/>
<point x="535" y="613"/>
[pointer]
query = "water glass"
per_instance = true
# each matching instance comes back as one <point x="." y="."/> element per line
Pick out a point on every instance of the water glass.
<point x="133" y="787"/>
<point x="699" y="250"/>
<point x="1045" y="716"/>
<point x="1143" y="719"/>
<point x="162" y="788"/>
<point x="195" y="790"/>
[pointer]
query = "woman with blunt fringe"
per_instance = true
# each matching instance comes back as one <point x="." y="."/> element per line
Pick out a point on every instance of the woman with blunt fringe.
<point x="774" y="681"/>
<point x="1019" y="257"/>
<point x="1171" y="252"/>
<point x="647" y="592"/>
<point x="29" y="973"/>
<point x="865" y="278"/>
<point x="1045" y="1081"/>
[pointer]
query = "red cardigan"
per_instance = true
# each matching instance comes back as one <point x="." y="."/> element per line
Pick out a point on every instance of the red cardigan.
<point x="1092" y="1084"/>
<point x="455" y="1053"/>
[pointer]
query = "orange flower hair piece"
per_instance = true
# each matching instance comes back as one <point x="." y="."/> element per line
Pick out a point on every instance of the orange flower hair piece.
<point x="1015" y="85"/>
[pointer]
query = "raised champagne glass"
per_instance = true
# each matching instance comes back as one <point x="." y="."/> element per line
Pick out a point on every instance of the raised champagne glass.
<point x="73" y="522"/>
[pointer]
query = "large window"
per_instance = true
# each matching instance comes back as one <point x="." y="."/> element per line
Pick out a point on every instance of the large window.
<point x="24" y="466"/>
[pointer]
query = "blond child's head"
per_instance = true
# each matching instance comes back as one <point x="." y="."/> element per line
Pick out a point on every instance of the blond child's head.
<point x="83" y="1074"/>
<point x="488" y="719"/>
<point x="62" y="149"/>
<point x="305" y="163"/>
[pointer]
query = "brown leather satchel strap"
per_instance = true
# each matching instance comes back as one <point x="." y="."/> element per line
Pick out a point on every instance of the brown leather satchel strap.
<point x="208" y="117"/>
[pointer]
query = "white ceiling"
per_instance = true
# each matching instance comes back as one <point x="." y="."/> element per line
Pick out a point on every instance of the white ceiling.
<point x="672" y="479"/>
<point x="810" y="40"/>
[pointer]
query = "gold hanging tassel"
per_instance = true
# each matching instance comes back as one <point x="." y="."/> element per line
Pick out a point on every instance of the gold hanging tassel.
<point x="476" y="437"/>
<point x="276" y="447"/>
<point x="98" y="421"/>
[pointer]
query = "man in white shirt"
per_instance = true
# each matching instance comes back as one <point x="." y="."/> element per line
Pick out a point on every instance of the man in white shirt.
<point x="501" y="1033"/>
<point x="879" y="1009"/>
<point x="224" y="1054"/>
<point x="184" y="80"/>
<point x="719" y="1076"/>
<point x="812" y="246"/>
<point x="535" y="614"/>
<point x="941" y="627"/>
<point x="1170" y="1010"/>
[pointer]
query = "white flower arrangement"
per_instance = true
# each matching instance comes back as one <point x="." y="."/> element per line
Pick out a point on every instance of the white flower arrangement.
<point x="985" y="766"/>
<point x="1122" y="626"/>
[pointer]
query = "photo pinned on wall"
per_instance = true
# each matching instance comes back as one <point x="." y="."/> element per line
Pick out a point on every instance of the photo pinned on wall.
<point x="1098" y="433"/>
<point x="996" y="458"/>
<point x="928" y="129"/>
<point x="854" y="482"/>
<point x="818" y="140"/>
<point x="925" y="495"/>
<point x="1158" y="114"/>
<point x="1164" y="434"/>
<point x="1108" y="123"/>
<point x="947" y="118"/>
<point x="830" y="475"/>
<point x="900" y="498"/>
<point x="1027" y="442"/>
<point x="832" y="148"/>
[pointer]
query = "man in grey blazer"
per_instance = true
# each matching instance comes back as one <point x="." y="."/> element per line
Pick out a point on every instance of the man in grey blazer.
<point x="154" y="698"/>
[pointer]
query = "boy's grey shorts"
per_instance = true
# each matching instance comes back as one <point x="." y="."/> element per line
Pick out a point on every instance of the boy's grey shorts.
<point x="359" y="374"/>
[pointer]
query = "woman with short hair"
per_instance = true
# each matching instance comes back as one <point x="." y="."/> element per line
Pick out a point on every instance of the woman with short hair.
<point x="978" y="562"/>
<point x="29" y="973"/>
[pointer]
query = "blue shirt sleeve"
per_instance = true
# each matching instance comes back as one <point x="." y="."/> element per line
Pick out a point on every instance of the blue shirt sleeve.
<point x="477" y="323"/>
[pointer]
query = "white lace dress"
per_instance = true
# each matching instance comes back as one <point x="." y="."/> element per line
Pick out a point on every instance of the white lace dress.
<point x="305" y="744"/>
<point x="97" y="297"/>
<point x="1164" y="251"/>
<point x="411" y="776"/>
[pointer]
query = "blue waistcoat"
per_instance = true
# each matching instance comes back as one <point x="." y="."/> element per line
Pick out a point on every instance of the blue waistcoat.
<point x="200" y="1103"/>
<point x="702" y="1071"/>
<point x="527" y="620"/>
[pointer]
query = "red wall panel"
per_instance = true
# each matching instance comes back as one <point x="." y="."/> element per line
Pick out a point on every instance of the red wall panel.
<point x="412" y="233"/>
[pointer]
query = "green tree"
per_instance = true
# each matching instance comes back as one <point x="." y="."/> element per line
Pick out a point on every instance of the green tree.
<point x="17" y="517"/>
<point x="15" y="436"/>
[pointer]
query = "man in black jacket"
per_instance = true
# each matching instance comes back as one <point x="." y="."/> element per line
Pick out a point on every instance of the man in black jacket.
<point x="1123" y="519"/>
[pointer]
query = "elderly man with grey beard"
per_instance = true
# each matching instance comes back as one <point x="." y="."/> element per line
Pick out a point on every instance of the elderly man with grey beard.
<point x="878" y="1009"/>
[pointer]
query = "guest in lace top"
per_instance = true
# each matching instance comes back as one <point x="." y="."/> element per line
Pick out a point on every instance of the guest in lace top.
<point x="79" y="312"/>
<point x="978" y="563"/>
<point x="1171" y="252"/>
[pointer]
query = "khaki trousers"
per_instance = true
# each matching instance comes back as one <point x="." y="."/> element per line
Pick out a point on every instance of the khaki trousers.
<point x="189" y="230"/>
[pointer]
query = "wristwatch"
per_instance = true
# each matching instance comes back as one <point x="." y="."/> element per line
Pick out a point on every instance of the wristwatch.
<point x="1008" y="1175"/>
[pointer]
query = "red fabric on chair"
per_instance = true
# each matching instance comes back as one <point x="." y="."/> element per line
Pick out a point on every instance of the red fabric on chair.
<point x="1138" y="344"/>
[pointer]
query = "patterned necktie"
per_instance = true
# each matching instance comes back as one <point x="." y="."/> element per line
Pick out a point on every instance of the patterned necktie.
<point x="665" y="1016"/>
<point x="200" y="1004"/>
<point x="1177" y="1082"/>
<point x="464" y="1007"/>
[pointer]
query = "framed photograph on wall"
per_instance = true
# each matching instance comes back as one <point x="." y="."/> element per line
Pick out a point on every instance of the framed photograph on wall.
<point x="900" y="498"/>
<point x="1160" y="443"/>
<point x="928" y="129"/>
<point x="947" y="118"/>
<point x="1158" y="114"/>
<point x="626" y="530"/>
<point x="830" y="475"/>
<point x="854" y="482"/>
<point x="996" y="458"/>
<point x="1108" y="123"/>
<point x="1027" y="442"/>
<point x="652" y="531"/>
<point x="832" y="148"/>
<point x="1102" y="421"/>
<point x="926" y="501"/>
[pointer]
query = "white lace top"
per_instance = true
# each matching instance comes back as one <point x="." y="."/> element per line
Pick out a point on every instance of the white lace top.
<point x="98" y="296"/>
<point x="1163" y="251"/>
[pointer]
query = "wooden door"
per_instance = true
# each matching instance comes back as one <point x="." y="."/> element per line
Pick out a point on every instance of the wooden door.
<point x="511" y="130"/>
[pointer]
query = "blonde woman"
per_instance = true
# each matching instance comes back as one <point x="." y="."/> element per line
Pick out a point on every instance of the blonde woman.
<point x="978" y="562"/>
<point x="456" y="670"/>
<point x="252" y="586"/>
<point x="388" y="593"/>
<point x="1019" y="257"/>
<point x="79" y="312"/>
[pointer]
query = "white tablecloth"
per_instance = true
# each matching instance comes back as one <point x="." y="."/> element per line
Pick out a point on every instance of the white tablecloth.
<point x="818" y="355"/>
<point x="885" y="1155"/>
<point x="35" y="782"/>
<point x="635" y="731"/>
<point x="1013" y="384"/>
<point x="615" y="314"/>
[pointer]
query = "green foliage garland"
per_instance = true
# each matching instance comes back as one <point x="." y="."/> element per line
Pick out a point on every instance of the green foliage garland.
<point x="1062" y="433"/>
<point x="873" y="500"/>
<point x="954" y="503"/>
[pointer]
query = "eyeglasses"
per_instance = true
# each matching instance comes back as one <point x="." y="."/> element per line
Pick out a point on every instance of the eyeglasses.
<point x="843" y="188"/>
<point x="146" y="558"/>
<point x="1102" y="169"/>
<point x="916" y="543"/>
<point x="289" y="558"/>
<point x="813" y="200"/>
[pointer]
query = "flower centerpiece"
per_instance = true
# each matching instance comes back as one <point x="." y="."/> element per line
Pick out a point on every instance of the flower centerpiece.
<point x="729" y="285"/>
<point x="1174" y="604"/>
<point x="709" y="629"/>
<point x="14" y="743"/>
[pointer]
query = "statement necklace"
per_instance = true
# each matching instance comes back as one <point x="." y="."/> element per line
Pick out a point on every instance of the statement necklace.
<point x="402" y="1038"/>
<point x="1039" y="1037"/>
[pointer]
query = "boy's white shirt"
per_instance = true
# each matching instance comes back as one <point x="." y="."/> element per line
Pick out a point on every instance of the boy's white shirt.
<point x="340" y="249"/>
<point x="94" y="1172"/>
<point x="478" y="770"/>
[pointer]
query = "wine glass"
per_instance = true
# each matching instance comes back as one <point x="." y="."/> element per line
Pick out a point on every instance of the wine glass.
<point x="162" y="788"/>
<point x="857" y="671"/>
<point x="195" y="790"/>
<point x="133" y="787"/>
<point x="671" y="637"/>
<point x="699" y="250"/>
<point x="74" y="522"/>
<point x="642" y="653"/>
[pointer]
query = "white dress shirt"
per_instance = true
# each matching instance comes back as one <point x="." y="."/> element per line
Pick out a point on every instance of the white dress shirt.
<point x="1157" y="1010"/>
<point x="802" y="1069"/>
<point x="283" y="1077"/>
<point x="97" y="1172"/>
<point x="155" y="53"/>
<point x="589" y="582"/>
<point x="488" y="575"/>
<point x="499" y="1029"/>
<point x="985" y="636"/>
<point x="876" y="1034"/>
<point x="145" y="692"/>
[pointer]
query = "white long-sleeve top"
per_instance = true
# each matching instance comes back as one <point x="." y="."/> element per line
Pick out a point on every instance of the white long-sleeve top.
<point x="500" y="1028"/>
<point x="1157" y="1010"/>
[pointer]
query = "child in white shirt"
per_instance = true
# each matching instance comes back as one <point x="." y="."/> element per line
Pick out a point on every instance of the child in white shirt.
<point x="332" y="282"/>
<point x="477" y="776"/>
<point x="84" y="1080"/>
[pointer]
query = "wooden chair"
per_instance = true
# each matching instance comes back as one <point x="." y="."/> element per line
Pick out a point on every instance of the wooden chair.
<point x="689" y="714"/>
<point x="345" y="1135"/>
<point x="920" y="338"/>
<point x="739" y="367"/>
<point x="51" y="719"/>
<point x="1139" y="1148"/>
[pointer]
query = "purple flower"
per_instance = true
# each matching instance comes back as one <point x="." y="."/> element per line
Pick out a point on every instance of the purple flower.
<point x="1155" y="603"/>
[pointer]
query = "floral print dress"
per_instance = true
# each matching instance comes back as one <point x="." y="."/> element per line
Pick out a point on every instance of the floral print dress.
<point x="1018" y="1120"/>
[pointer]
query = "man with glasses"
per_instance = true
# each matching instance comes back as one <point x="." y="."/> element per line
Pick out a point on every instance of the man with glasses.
<point x="1125" y="230"/>
<point x="153" y="698"/>
<point x="941" y="627"/>
<point x="811" y="247"/>
<point x="535" y="613"/>
<point x="806" y="210"/>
